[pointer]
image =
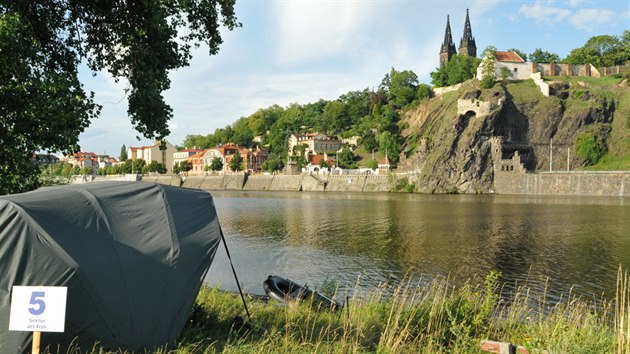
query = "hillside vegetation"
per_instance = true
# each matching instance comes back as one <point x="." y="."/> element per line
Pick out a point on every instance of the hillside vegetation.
<point x="587" y="117"/>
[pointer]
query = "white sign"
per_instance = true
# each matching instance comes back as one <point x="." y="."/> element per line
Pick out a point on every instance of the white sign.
<point x="38" y="308"/>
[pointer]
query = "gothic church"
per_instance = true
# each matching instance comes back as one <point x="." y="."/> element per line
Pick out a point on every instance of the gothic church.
<point x="467" y="44"/>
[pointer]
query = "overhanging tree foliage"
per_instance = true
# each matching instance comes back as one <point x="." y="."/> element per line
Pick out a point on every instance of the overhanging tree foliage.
<point x="42" y="103"/>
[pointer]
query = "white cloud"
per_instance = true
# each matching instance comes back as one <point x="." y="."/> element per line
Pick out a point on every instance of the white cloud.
<point x="576" y="3"/>
<point x="202" y="106"/>
<point x="511" y="18"/>
<point x="589" y="19"/>
<point x="310" y="30"/>
<point x="543" y="11"/>
<point x="480" y="7"/>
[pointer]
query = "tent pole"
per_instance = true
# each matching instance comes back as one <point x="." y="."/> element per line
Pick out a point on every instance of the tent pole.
<point x="240" y="291"/>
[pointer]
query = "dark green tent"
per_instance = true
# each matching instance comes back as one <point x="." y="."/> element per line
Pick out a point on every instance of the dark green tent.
<point x="133" y="256"/>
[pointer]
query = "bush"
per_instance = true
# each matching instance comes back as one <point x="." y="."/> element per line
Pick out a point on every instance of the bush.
<point x="372" y="164"/>
<point x="487" y="82"/>
<point x="402" y="185"/>
<point x="590" y="148"/>
<point x="505" y="73"/>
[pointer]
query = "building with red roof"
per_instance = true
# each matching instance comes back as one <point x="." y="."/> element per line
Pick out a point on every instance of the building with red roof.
<point x="197" y="163"/>
<point x="508" y="57"/>
<point x="183" y="155"/>
<point x="252" y="158"/>
<point x="507" y="65"/>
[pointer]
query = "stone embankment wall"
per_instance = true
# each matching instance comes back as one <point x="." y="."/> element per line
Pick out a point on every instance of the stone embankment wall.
<point x="350" y="183"/>
<point x="311" y="183"/>
<point x="163" y="179"/>
<point x="257" y="183"/>
<point x="285" y="183"/>
<point x="207" y="182"/>
<point x="306" y="183"/>
<point x="511" y="177"/>
<point x="578" y="183"/>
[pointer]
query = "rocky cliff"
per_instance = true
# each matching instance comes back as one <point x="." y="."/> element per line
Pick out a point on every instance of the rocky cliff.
<point x="447" y="138"/>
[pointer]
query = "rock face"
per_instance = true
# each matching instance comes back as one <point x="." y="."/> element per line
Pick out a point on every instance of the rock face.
<point x="448" y="138"/>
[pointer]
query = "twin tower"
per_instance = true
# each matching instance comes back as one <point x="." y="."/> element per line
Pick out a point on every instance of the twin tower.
<point x="467" y="45"/>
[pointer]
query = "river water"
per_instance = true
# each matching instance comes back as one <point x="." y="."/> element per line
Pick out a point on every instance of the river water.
<point x="552" y="244"/>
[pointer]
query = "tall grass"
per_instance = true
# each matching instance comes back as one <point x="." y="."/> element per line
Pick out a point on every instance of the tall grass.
<point x="414" y="318"/>
<point x="438" y="318"/>
<point x="622" y="312"/>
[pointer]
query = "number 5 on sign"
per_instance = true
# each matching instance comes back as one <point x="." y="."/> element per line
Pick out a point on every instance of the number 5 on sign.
<point x="38" y="308"/>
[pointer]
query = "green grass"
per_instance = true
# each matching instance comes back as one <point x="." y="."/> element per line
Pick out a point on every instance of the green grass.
<point x="437" y="318"/>
<point x="525" y="91"/>
<point x="606" y="81"/>
<point x="611" y="163"/>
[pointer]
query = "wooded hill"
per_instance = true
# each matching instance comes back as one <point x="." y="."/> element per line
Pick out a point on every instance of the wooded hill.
<point x="584" y="115"/>
<point x="371" y="115"/>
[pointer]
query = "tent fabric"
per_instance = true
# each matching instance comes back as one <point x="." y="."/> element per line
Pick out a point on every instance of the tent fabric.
<point x="132" y="254"/>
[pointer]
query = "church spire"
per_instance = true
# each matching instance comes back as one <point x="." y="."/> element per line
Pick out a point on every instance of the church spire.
<point x="467" y="45"/>
<point x="448" y="47"/>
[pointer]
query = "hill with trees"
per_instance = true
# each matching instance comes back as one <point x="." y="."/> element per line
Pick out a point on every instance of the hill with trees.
<point x="375" y="115"/>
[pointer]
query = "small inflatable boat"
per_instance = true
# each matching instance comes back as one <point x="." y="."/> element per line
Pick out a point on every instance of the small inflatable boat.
<point x="285" y="290"/>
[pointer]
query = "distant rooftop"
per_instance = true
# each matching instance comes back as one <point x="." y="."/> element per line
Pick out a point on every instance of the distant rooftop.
<point x="511" y="57"/>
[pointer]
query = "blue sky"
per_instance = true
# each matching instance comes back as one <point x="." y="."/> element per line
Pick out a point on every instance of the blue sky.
<point x="300" y="51"/>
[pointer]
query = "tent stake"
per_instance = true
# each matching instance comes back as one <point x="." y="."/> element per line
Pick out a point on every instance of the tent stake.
<point x="36" y="342"/>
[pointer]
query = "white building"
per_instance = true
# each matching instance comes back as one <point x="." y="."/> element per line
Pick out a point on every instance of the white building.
<point x="512" y="62"/>
<point x="153" y="153"/>
<point x="316" y="143"/>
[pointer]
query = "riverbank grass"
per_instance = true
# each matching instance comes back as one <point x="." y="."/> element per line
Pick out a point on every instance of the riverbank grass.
<point x="429" y="319"/>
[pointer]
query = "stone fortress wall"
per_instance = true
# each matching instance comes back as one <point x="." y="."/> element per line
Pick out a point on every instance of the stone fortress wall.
<point x="511" y="177"/>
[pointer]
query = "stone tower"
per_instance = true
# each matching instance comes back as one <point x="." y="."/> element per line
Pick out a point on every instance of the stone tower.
<point x="496" y="144"/>
<point x="467" y="45"/>
<point x="448" y="47"/>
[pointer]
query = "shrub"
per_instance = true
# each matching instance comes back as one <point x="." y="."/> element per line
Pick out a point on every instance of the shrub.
<point x="402" y="185"/>
<point x="487" y="82"/>
<point x="372" y="164"/>
<point x="505" y="73"/>
<point x="590" y="148"/>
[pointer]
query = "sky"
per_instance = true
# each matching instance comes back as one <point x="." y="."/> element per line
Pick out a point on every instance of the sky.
<point x="300" y="51"/>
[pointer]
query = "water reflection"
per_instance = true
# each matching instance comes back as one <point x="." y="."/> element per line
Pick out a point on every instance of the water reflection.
<point x="556" y="243"/>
